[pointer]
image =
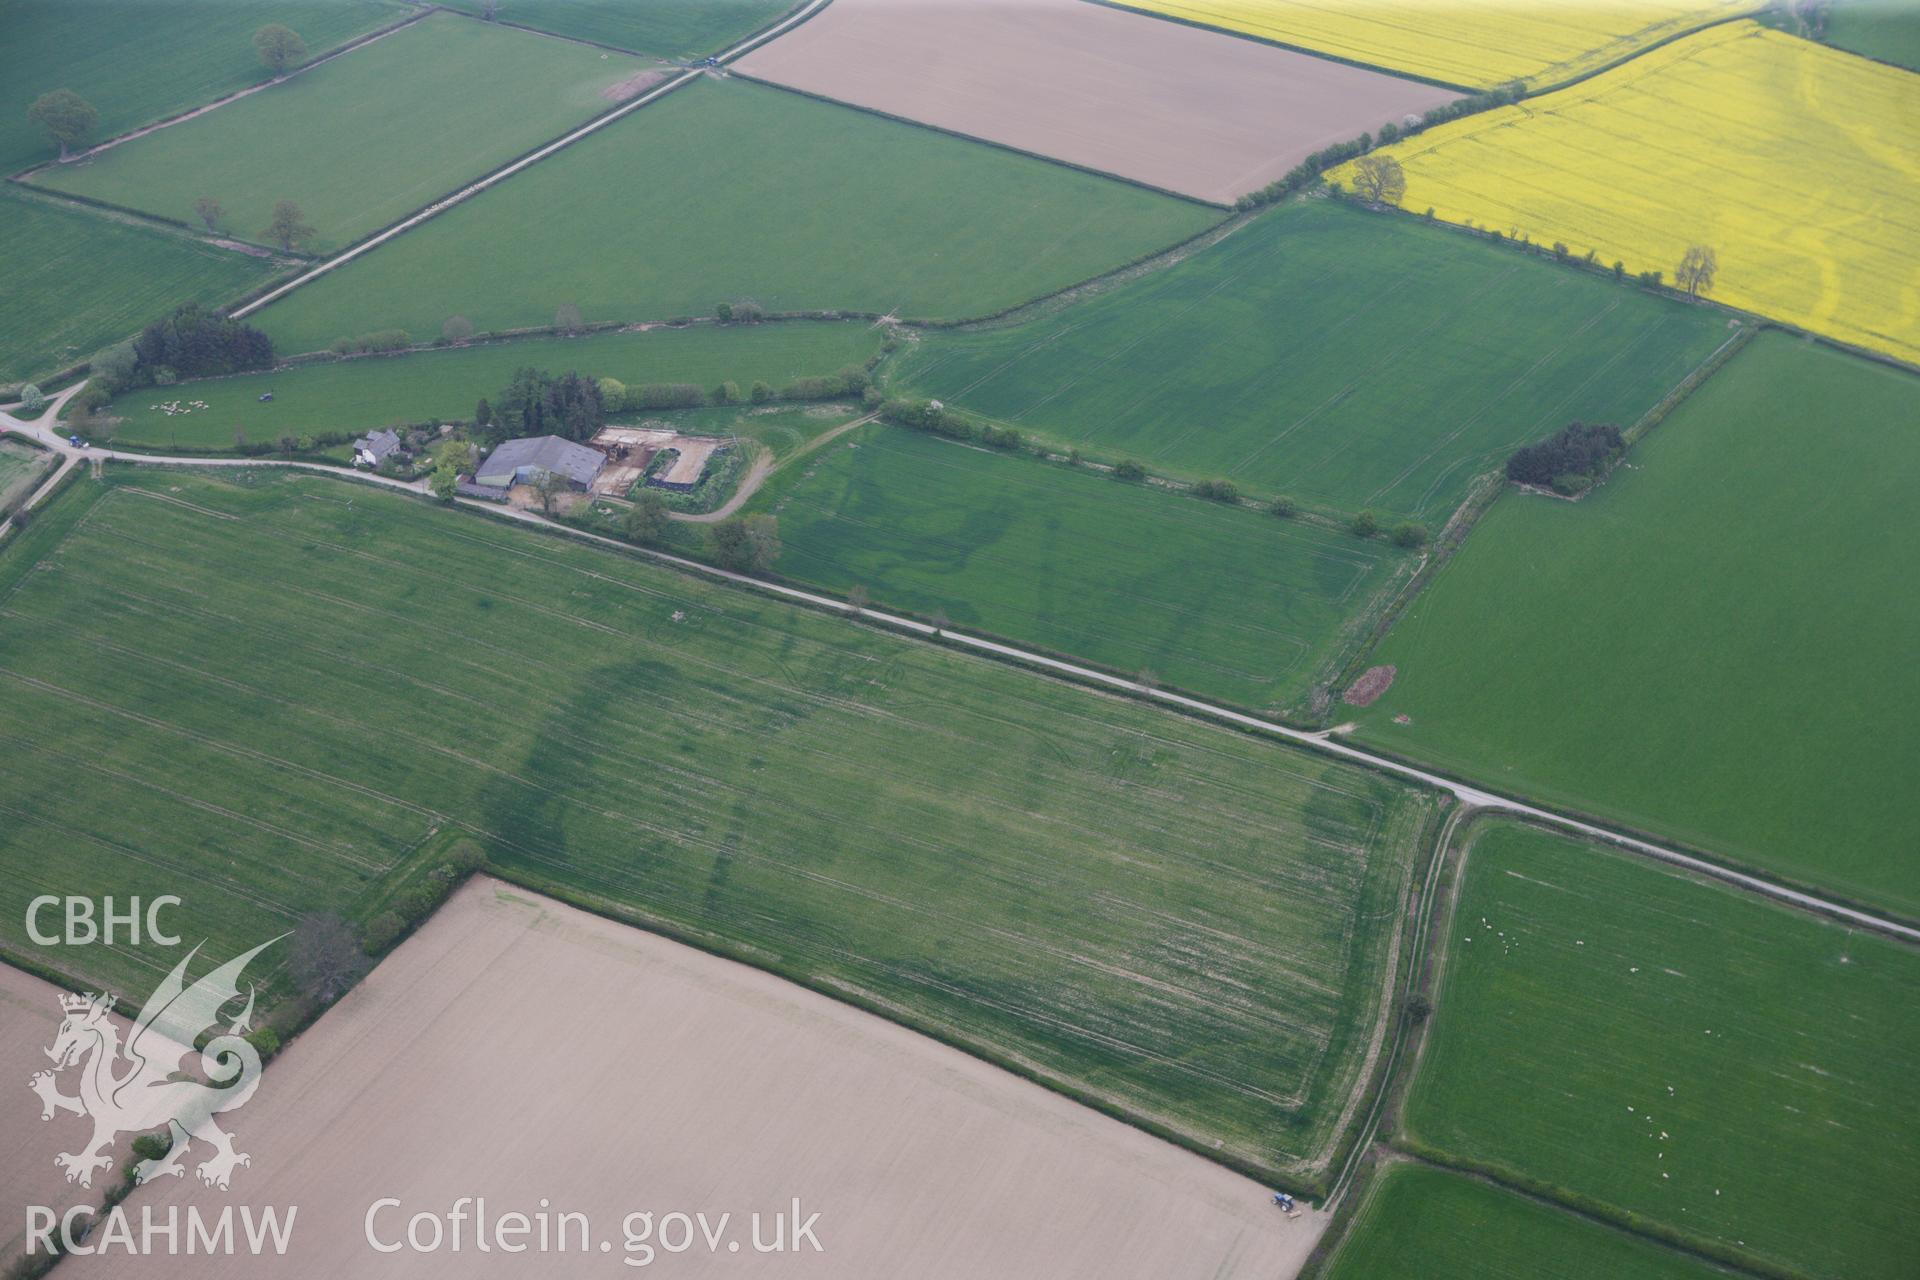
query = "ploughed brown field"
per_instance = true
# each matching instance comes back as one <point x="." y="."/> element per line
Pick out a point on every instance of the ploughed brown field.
<point x="516" y="1048"/>
<point x="1196" y="112"/>
<point x="29" y="1020"/>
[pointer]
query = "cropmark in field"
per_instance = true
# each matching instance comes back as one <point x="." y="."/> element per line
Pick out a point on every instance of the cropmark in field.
<point x="725" y="191"/>
<point x="1174" y="107"/>
<point x="366" y="138"/>
<point x="1347" y="360"/>
<point x="264" y="692"/>
<point x="1670" y="1047"/>
<point x="1666" y="655"/>
<point x="1228" y="602"/>
<point x="1798" y="165"/>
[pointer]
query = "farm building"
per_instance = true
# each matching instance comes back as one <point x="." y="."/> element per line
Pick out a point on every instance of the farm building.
<point x="375" y="448"/>
<point x="521" y="461"/>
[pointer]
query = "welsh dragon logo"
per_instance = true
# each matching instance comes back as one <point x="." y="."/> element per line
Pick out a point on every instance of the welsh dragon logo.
<point x="138" y="1087"/>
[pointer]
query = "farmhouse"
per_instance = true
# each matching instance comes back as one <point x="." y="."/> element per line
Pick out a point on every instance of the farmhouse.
<point x="520" y="462"/>
<point x="375" y="448"/>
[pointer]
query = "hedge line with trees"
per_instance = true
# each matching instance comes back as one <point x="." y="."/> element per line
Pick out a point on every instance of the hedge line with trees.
<point x="1308" y="171"/>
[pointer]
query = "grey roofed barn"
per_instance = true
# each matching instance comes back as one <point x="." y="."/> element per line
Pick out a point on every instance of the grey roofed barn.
<point x="519" y="461"/>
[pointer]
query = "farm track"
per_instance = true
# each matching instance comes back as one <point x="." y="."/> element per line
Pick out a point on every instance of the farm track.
<point x="500" y="175"/>
<point x="763" y="467"/>
<point x="1324" y="742"/>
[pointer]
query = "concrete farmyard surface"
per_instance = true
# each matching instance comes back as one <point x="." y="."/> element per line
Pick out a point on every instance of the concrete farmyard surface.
<point x="520" y="1050"/>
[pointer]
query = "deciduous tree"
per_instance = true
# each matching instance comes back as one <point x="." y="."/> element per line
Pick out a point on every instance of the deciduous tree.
<point x="325" y="957"/>
<point x="279" y="47"/>
<point x="456" y="329"/>
<point x="568" y="318"/>
<point x="746" y="544"/>
<point x="1697" y="268"/>
<point x="208" y="210"/>
<point x="1379" y="179"/>
<point x="289" y="226"/>
<point x="648" y="520"/>
<point x="66" y="116"/>
<point x="550" y="486"/>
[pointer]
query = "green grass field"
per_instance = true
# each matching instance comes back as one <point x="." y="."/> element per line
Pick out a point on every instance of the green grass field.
<point x="1714" y="646"/>
<point x="76" y="282"/>
<point x="365" y="139"/>
<point x="138" y="61"/>
<point x="1885" y="29"/>
<point x="1679" y="1050"/>
<point x="1348" y="360"/>
<point x="672" y="28"/>
<point x="1231" y="603"/>
<point x="729" y="190"/>
<point x="260" y="691"/>
<point x="373" y="391"/>
<point x="1435" y="1225"/>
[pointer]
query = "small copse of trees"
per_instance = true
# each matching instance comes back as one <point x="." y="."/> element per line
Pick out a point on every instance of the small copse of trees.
<point x="538" y="403"/>
<point x="1570" y="460"/>
<point x="190" y="342"/>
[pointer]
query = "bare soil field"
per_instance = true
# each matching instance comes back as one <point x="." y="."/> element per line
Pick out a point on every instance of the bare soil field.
<point x="516" y="1049"/>
<point x="29" y="1019"/>
<point x="1197" y="112"/>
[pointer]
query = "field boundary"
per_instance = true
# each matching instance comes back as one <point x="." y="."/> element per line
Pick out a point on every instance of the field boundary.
<point x="1326" y="675"/>
<point x="1412" y="905"/>
<point x="1324" y="741"/>
<point x="160" y="222"/>
<point x="1403" y="1144"/>
<point x="626" y="914"/>
<point x="1489" y="486"/>
<point x="1661" y="290"/>
<point x="976" y="138"/>
<point x="1144" y="265"/>
<point x="1527" y="88"/>
<point x="1410" y="1144"/>
<point x="248" y="304"/>
<point x="1157" y="16"/>
<point x="180" y="117"/>
<point x="614" y="48"/>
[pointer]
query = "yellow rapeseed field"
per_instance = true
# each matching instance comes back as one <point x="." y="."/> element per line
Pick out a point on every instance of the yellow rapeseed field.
<point x="1798" y="164"/>
<point x="1474" y="43"/>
